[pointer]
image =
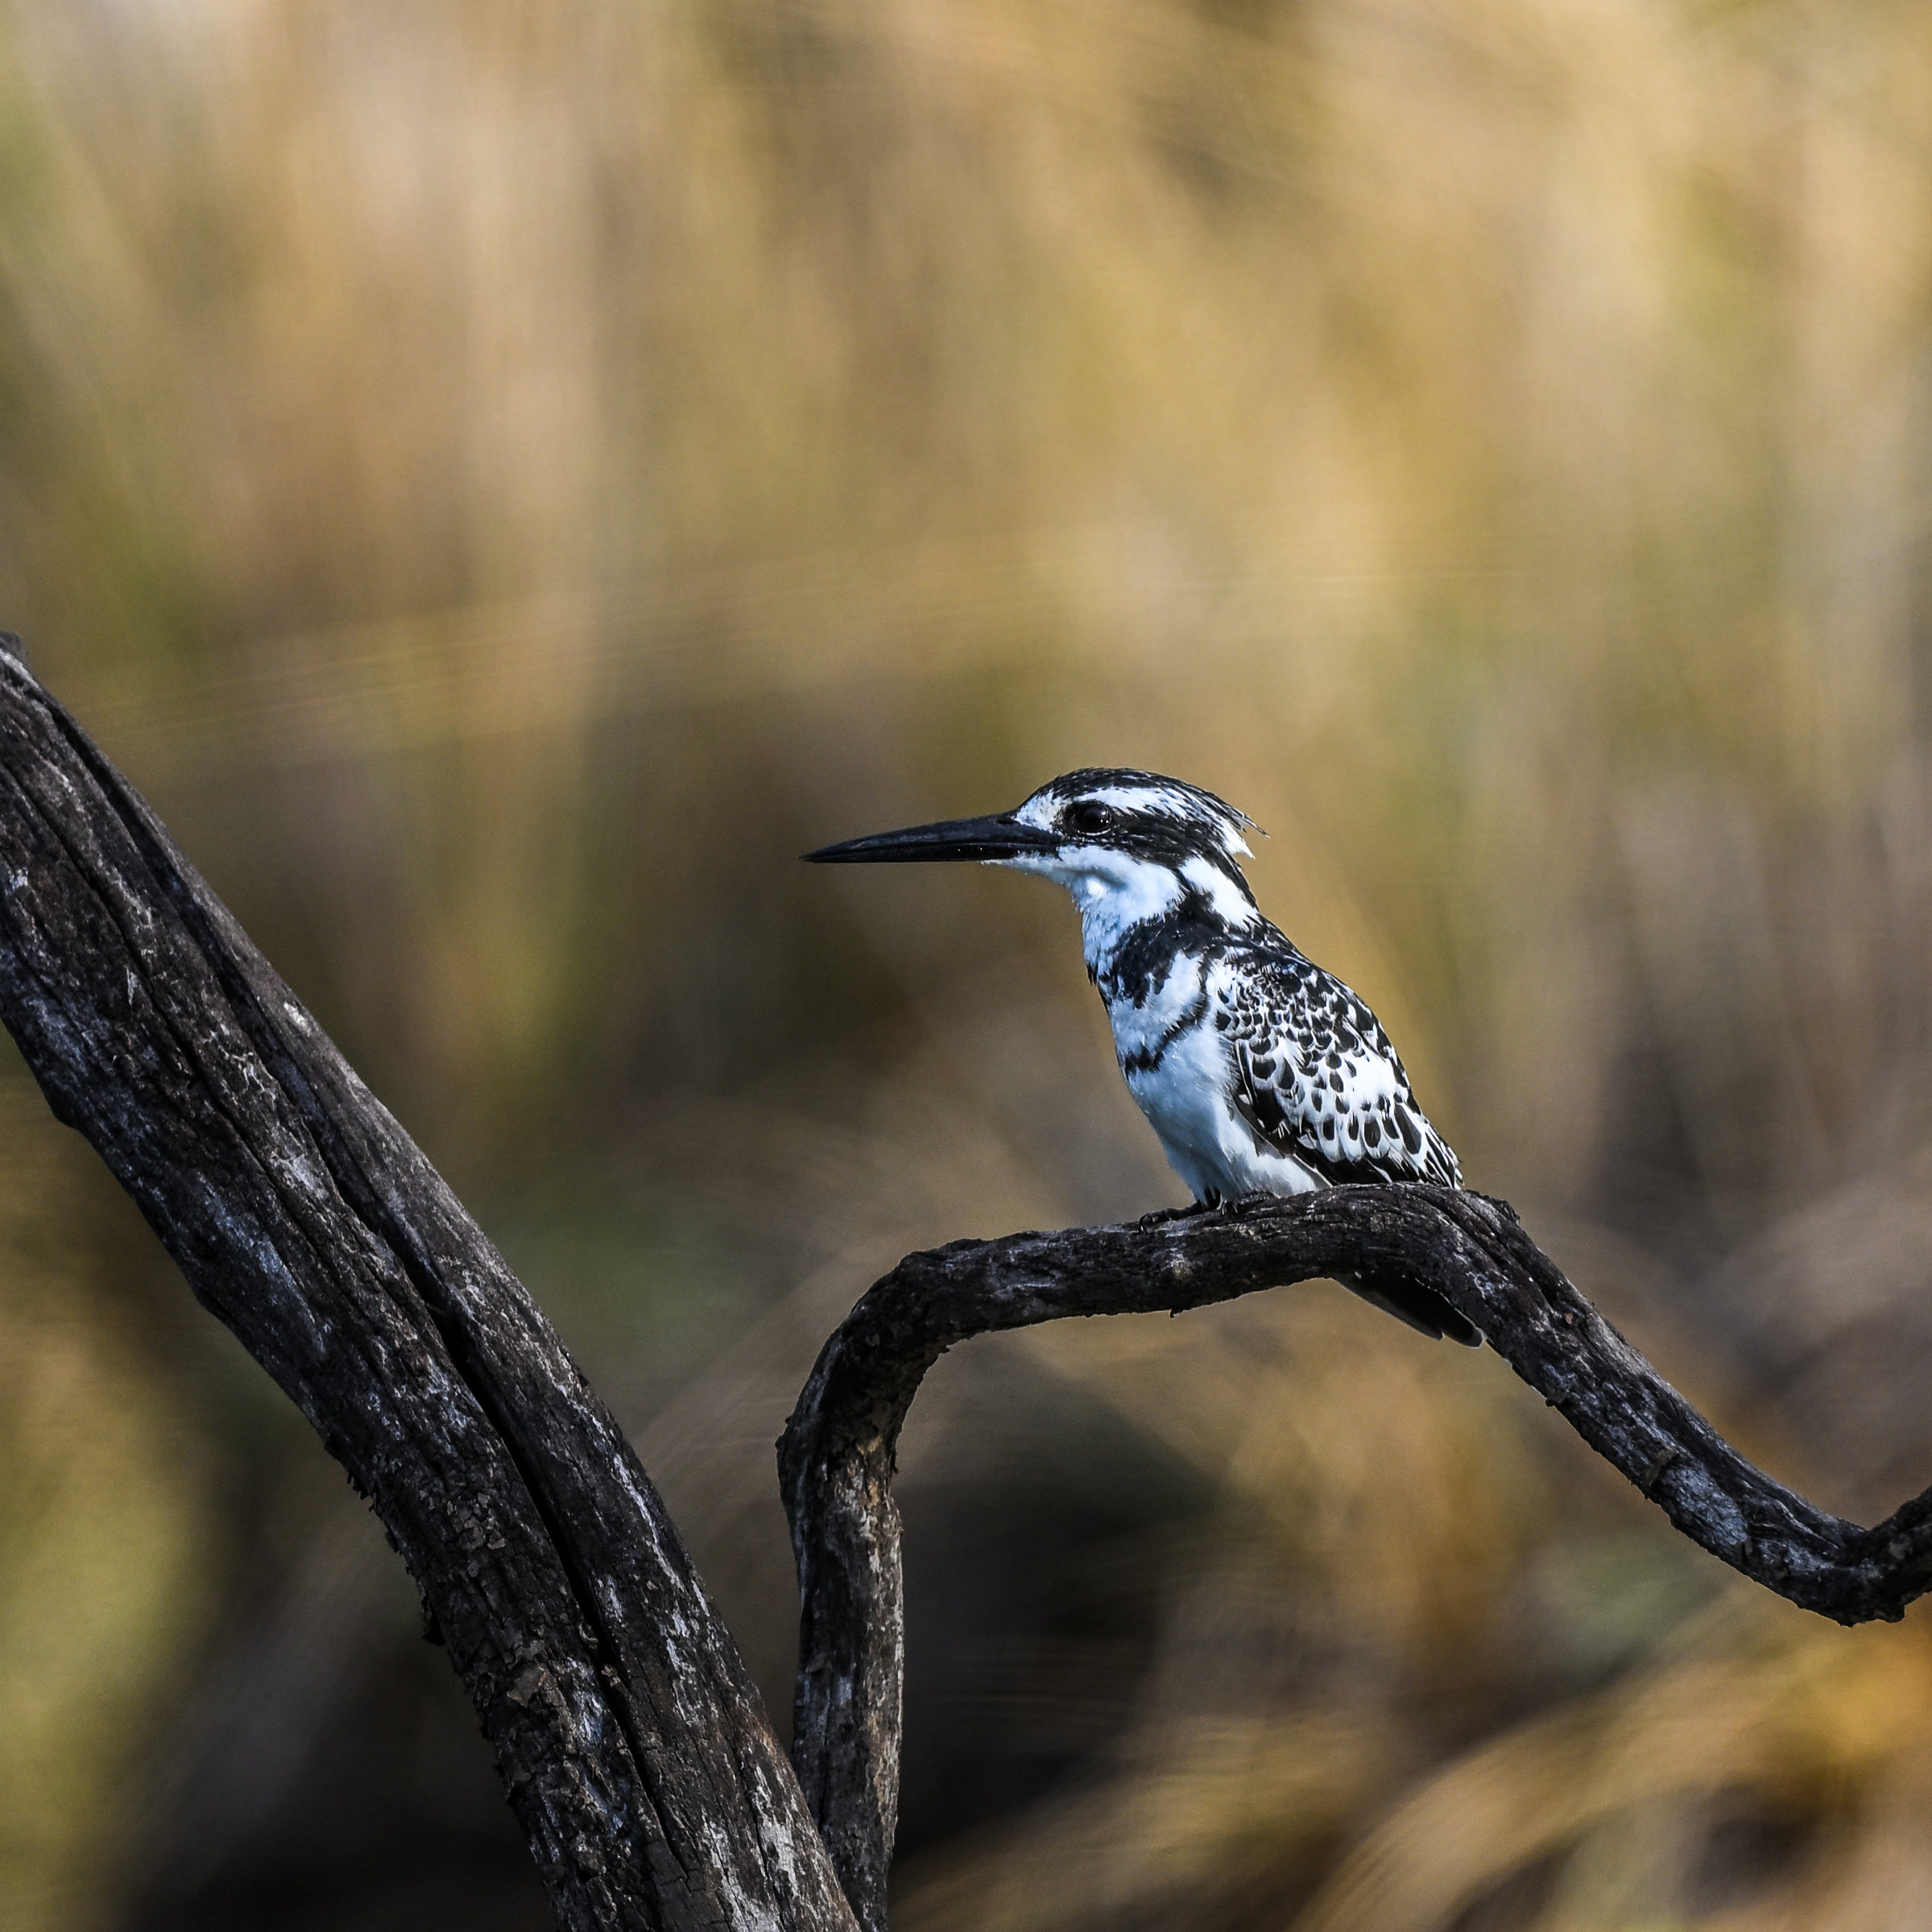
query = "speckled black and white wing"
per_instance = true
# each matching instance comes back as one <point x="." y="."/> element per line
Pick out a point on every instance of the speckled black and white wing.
<point x="1315" y="1077"/>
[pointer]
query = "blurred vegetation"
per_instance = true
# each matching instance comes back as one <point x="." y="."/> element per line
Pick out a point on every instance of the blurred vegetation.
<point x="504" y="478"/>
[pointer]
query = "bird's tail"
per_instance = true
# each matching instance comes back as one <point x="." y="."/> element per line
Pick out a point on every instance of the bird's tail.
<point x="1421" y="1308"/>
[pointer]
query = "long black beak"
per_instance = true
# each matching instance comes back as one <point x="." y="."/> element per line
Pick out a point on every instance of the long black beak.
<point x="954" y="838"/>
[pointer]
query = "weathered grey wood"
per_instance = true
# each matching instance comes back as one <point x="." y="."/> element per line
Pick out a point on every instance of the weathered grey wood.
<point x="836" y="1459"/>
<point x="631" y="1740"/>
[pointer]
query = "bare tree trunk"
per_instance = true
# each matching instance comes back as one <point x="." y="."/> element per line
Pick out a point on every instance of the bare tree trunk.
<point x="629" y="1737"/>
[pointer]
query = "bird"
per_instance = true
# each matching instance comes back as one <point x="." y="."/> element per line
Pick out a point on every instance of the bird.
<point x="1259" y="1072"/>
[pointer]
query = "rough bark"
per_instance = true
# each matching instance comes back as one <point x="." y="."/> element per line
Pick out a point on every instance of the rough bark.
<point x="836" y="1460"/>
<point x="629" y="1738"/>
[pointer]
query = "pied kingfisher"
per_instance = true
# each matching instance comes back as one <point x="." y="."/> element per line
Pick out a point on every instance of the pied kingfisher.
<point x="1259" y="1071"/>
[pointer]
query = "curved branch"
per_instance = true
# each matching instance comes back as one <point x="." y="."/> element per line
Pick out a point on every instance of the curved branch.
<point x="626" y="1730"/>
<point x="836" y="1459"/>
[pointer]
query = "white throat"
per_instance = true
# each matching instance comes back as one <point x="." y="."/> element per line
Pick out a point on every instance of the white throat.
<point x="1114" y="893"/>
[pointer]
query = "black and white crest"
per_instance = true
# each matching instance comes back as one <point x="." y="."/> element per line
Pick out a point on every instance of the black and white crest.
<point x="1259" y="1072"/>
<point x="1144" y="806"/>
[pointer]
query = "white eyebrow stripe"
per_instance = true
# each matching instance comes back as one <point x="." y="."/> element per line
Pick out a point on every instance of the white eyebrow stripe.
<point x="1043" y="808"/>
<point x="1144" y="798"/>
<point x="1163" y="798"/>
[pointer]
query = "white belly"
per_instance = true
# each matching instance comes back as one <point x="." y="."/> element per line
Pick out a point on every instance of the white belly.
<point x="1185" y="1097"/>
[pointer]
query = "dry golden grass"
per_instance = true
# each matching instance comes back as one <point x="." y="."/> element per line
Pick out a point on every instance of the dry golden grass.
<point x="504" y="478"/>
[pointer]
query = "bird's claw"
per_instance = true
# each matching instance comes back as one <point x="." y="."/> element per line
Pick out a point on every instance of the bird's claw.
<point x="1160" y="1216"/>
<point x="1252" y="1203"/>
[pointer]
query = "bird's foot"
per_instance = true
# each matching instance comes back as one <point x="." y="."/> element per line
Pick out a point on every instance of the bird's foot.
<point x="1256" y="1202"/>
<point x="1160" y="1216"/>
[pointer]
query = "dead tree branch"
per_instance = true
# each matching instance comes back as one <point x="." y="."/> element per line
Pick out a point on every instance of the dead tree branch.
<point x="629" y="1737"/>
<point x="836" y="1460"/>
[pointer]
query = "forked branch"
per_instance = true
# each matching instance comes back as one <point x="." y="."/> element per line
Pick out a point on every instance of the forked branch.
<point x="629" y="1738"/>
<point x="835" y="1460"/>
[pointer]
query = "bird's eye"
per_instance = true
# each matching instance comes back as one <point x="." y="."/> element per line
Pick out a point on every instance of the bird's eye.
<point x="1091" y="816"/>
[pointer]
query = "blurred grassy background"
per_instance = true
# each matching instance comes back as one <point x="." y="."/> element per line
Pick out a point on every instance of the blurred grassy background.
<point x="504" y="478"/>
